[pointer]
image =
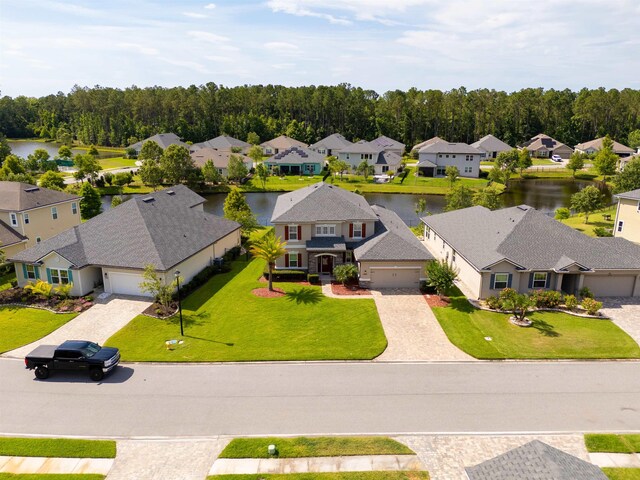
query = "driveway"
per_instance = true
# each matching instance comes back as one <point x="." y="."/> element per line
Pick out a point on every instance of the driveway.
<point x="625" y="312"/>
<point x="96" y="324"/>
<point x="411" y="328"/>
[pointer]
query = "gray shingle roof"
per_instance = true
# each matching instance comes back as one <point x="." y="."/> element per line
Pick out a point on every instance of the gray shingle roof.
<point x="427" y="142"/>
<point x="535" y="461"/>
<point x="162" y="139"/>
<point x="296" y="156"/>
<point x="529" y="239"/>
<point x="387" y="143"/>
<point x="321" y="202"/>
<point x="9" y="236"/>
<point x="447" y="147"/>
<point x="161" y="229"/>
<point x="392" y="240"/>
<point x="597" y="145"/>
<point x="220" y="158"/>
<point x="489" y="143"/>
<point x="362" y="147"/>
<point x="222" y="142"/>
<point x="388" y="158"/>
<point x="544" y="142"/>
<point x="18" y="196"/>
<point x="326" y="244"/>
<point x="333" y="142"/>
<point x="631" y="195"/>
<point x="283" y="142"/>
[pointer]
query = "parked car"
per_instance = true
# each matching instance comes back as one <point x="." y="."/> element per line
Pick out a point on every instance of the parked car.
<point x="556" y="158"/>
<point x="73" y="355"/>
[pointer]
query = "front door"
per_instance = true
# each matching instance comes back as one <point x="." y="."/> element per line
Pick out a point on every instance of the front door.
<point x="325" y="264"/>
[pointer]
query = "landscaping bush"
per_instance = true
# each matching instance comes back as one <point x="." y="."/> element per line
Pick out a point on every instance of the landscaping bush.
<point x="546" y="298"/>
<point x="313" y="278"/>
<point x="585" y="293"/>
<point x="346" y="273"/>
<point x="494" y="303"/>
<point x="426" y="288"/>
<point x="506" y="294"/>
<point x="100" y="182"/>
<point x="570" y="301"/>
<point x="198" y="280"/>
<point x="562" y="213"/>
<point x="603" y="232"/>
<point x="441" y="275"/>
<point x="591" y="306"/>
<point x="287" y="275"/>
<point x="232" y="254"/>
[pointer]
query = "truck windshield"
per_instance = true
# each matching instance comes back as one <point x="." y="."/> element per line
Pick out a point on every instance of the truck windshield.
<point x="90" y="349"/>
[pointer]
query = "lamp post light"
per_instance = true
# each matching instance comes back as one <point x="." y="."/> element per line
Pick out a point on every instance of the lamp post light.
<point x="177" y="275"/>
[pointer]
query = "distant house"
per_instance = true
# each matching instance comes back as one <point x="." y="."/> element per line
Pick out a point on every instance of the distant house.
<point x="162" y="139"/>
<point x="416" y="148"/>
<point x="543" y="146"/>
<point x="358" y="152"/>
<point x="524" y="249"/>
<point x="279" y="144"/>
<point x="624" y="161"/>
<point x="220" y="159"/>
<point x="627" y="224"/>
<point x="168" y="229"/>
<point x="296" y="161"/>
<point x="325" y="226"/>
<point x="223" y="143"/>
<point x="31" y="214"/>
<point x="388" y="145"/>
<point x="433" y="159"/>
<point x="490" y="147"/>
<point x="594" y="146"/>
<point x="386" y="163"/>
<point x="331" y="145"/>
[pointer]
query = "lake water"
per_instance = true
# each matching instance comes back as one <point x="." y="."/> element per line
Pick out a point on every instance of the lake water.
<point x="544" y="195"/>
<point x="24" y="149"/>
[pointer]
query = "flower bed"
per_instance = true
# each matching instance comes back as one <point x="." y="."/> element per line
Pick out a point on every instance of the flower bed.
<point x="54" y="303"/>
<point x="339" y="289"/>
<point x="436" y="300"/>
<point x="157" y="310"/>
<point x="266" y="293"/>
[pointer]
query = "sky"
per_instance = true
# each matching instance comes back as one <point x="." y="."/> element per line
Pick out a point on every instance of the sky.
<point x="47" y="46"/>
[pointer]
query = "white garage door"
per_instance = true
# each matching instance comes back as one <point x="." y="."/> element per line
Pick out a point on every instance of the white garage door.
<point x="126" y="283"/>
<point x="610" y="286"/>
<point x="395" y="277"/>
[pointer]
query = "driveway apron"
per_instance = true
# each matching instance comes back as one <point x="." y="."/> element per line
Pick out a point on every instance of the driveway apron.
<point x="625" y="313"/>
<point x="96" y="324"/>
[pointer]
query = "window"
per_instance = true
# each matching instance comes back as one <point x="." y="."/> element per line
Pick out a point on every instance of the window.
<point x="31" y="272"/>
<point x="348" y="256"/>
<point x="54" y="213"/>
<point x="427" y="233"/>
<point x="14" y="219"/>
<point x="638" y="207"/>
<point x="293" y="260"/>
<point x="25" y="216"/>
<point x="468" y="169"/>
<point x="325" y="230"/>
<point x="447" y="155"/>
<point x="440" y="156"/>
<point x="322" y="150"/>
<point x="357" y="230"/>
<point x="293" y="232"/>
<point x="74" y="208"/>
<point x="539" y="279"/>
<point x="453" y="156"/>
<point x="366" y="156"/>
<point x="500" y="281"/>
<point x="347" y="156"/>
<point x="440" y="170"/>
<point x="620" y="225"/>
<point x="385" y="168"/>
<point x="453" y="256"/>
<point x="469" y="158"/>
<point x="38" y="239"/>
<point x="59" y="276"/>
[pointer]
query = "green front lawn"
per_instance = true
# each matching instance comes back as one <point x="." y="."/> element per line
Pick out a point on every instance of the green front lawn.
<point x="553" y="334"/>
<point x="595" y="220"/>
<point x="314" y="447"/>
<point x="51" y="476"/>
<point x="329" y="476"/>
<point x="225" y="321"/>
<point x="21" y="326"/>
<point x="611" y="443"/>
<point x="57" y="447"/>
<point x="622" y="473"/>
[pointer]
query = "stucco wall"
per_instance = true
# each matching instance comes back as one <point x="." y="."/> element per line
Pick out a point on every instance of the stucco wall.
<point x="455" y="159"/>
<point x="627" y="212"/>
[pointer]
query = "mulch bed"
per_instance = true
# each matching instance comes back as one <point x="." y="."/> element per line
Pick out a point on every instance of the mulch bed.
<point x="266" y="293"/>
<point x="264" y="280"/>
<point x="18" y="296"/>
<point x="339" y="289"/>
<point x="436" y="300"/>
<point x="158" y="311"/>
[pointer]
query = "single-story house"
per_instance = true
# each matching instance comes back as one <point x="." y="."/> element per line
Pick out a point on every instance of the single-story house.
<point x="543" y="146"/>
<point x="224" y="143"/>
<point x="220" y="159"/>
<point x="325" y="226"/>
<point x="417" y="147"/>
<point x="162" y="139"/>
<point x="331" y="145"/>
<point x="280" y="144"/>
<point x="524" y="249"/>
<point x="490" y="147"/>
<point x="627" y="224"/>
<point x="594" y="146"/>
<point x="624" y="161"/>
<point x="434" y="158"/>
<point x="168" y="229"/>
<point x="388" y="145"/>
<point x="386" y="163"/>
<point x="296" y="161"/>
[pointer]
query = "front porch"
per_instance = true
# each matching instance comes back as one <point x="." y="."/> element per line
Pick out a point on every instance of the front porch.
<point x="326" y="253"/>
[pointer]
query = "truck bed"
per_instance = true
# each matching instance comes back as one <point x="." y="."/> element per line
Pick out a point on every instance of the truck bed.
<point x="43" y="352"/>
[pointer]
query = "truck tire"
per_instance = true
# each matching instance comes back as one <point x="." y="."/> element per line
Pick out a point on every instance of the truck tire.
<point x="96" y="374"/>
<point x="42" y="372"/>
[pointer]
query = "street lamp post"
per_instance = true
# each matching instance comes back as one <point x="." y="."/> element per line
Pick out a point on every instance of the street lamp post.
<point x="177" y="275"/>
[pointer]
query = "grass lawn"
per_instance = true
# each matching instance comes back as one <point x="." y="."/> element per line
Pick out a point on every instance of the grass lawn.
<point x="314" y="447"/>
<point x="57" y="447"/>
<point x="622" y="473"/>
<point x="328" y="476"/>
<point x="595" y="220"/>
<point x="552" y="335"/>
<point x="21" y="325"/>
<point x="5" y="280"/>
<point x="117" y="162"/>
<point x="224" y="321"/>
<point x="611" y="443"/>
<point x="51" y="476"/>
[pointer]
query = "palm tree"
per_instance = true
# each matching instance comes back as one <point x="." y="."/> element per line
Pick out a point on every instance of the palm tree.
<point x="269" y="248"/>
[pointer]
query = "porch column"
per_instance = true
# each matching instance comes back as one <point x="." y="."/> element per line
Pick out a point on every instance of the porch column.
<point x="636" y="287"/>
<point x="580" y="281"/>
<point x="312" y="261"/>
<point x="559" y="281"/>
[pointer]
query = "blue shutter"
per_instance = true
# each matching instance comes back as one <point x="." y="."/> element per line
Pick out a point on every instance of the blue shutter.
<point x="24" y="271"/>
<point x="48" y="275"/>
<point x="70" y="276"/>
<point x="492" y="283"/>
<point x="548" y="284"/>
<point x="531" y="280"/>
<point x="37" y="270"/>
<point x="510" y="280"/>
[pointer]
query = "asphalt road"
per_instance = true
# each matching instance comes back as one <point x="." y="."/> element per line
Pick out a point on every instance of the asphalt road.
<point x="323" y="398"/>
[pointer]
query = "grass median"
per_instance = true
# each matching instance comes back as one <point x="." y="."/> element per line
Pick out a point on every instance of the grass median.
<point x="328" y="476"/>
<point x="622" y="473"/>
<point x="57" y="447"/>
<point x="612" y="443"/>
<point x="51" y="476"/>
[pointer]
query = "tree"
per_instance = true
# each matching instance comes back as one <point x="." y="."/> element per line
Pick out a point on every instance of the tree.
<point x="12" y="165"/>
<point x="65" y="153"/>
<point x="606" y="161"/>
<point x="210" y="172"/>
<point x="253" y="139"/>
<point x="346" y="273"/>
<point x="64" y="135"/>
<point x="488" y="197"/>
<point x="269" y="248"/>
<point x="150" y="151"/>
<point x="236" y="169"/>
<point x="87" y="166"/>
<point x="156" y="286"/>
<point x="576" y="162"/>
<point x="150" y="173"/>
<point x="121" y="179"/>
<point x="452" y="173"/>
<point x="237" y="209"/>
<point x="263" y="173"/>
<point x="420" y="207"/>
<point x="90" y="204"/>
<point x="255" y="153"/>
<point x="518" y="304"/>
<point x="116" y="200"/>
<point x="524" y="160"/>
<point x="633" y="140"/>
<point x="93" y="151"/>
<point x="5" y="149"/>
<point x="587" y="200"/>
<point x="37" y="160"/>
<point x="629" y="178"/>
<point x="505" y="167"/>
<point x="338" y="167"/>
<point x="459" y="197"/>
<point x="364" y="169"/>
<point x="175" y="163"/>
<point x="441" y="275"/>
<point x="52" y="180"/>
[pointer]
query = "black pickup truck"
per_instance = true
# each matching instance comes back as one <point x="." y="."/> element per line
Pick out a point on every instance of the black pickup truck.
<point x="73" y="355"/>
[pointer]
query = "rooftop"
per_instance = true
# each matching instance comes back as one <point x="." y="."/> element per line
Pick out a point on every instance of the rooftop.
<point x="283" y="142"/>
<point x="162" y="139"/>
<point x="18" y="196"/>
<point x="297" y="155"/>
<point x="448" y="147"/>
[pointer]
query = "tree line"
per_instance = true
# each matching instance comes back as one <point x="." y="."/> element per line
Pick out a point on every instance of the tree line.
<point x="116" y="117"/>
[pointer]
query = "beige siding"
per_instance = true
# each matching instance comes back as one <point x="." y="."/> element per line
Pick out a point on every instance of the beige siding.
<point x="628" y="213"/>
<point x="612" y="285"/>
<point x="519" y="281"/>
<point x="11" y="250"/>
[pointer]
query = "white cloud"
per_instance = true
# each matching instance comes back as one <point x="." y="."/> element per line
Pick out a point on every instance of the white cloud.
<point x="207" y="36"/>
<point x="293" y="8"/>
<point x="282" y="48"/>
<point x="194" y="15"/>
<point x="219" y="58"/>
<point x="210" y="6"/>
<point x="144" y="50"/>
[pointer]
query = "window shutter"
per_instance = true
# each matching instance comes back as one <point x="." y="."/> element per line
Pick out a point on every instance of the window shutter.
<point x="286" y="260"/>
<point x="286" y="233"/>
<point x="37" y="270"/>
<point x="299" y="232"/>
<point x="510" y="280"/>
<point x="24" y="271"/>
<point x="364" y="230"/>
<point x="492" y="283"/>
<point x="548" y="284"/>
<point x="531" y="280"/>
<point x="299" y="260"/>
<point x="351" y="230"/>
<point x="70" y="276"/>
<point x="49" y="275"/>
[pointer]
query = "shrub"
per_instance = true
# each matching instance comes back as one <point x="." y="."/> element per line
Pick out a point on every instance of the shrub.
<point x="108" y="177"/>
<point x="346" y="273"/>
<point x="585" y="293"/>
<point x="426" y="288"/>
<point x="100" y="182"/>
<point x="602" y="232"/>
<point x="519" y="305"/>
<point x="313" y="278"/>
<point x="494" y="303"/>
<point x="591" y="306"/>
<point x="570" y="301"/>
<point x="441" y="275"/>
<point x="64" y="291"/>
<point x="506" y="294"/>
<point x="562" y="213"/>
<point x="287" y="275"/>
<point x="39" y="288"/>
<point x="546" y="298"/>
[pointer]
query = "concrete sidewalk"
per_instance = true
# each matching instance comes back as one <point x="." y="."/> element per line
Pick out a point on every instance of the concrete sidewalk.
<point x="358" y="463"/>
<point x="24" y="465"/>
<point x="615" y="460"/>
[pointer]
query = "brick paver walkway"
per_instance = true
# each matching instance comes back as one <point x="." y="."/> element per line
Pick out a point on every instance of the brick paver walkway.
<point x="625" y="312"/>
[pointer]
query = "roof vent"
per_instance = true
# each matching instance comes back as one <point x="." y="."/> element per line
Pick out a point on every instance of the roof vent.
<point x="170" y="192"/>
<point x="148" y="199"/>
<point x="31" y="189"/>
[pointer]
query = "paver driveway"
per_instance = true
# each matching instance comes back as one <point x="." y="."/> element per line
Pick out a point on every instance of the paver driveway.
<point x="96" y="324"/>
<point x="625" y="312"/>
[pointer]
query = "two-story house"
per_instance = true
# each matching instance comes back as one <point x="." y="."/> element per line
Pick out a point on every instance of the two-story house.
<point x="434" y="158"/>
<point x="164" y="140"/>
<point x="627" y="224"/>
<point x="383" y="153"/>
<point x="31" y="214"/>
<point x="330" y="145"/>
<point x="296" y="161"/>
<point x="279" y="144"/>
<point x="325" y="226"/>
<point x="223" y="143"/>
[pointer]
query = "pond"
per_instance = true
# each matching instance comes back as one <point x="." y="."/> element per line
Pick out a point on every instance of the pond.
<point x="544" y="195"/>
<point x="25" y="148"/>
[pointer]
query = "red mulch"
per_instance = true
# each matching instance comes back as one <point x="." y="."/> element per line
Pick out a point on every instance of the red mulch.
<point x="266" y="293"/>
<point x="264" y="280"/>
<point x="339" y="289"/>
<point x="436" y="301"/>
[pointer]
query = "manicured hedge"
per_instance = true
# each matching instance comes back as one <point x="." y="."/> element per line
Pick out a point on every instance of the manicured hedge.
<point x="287" y="275"/>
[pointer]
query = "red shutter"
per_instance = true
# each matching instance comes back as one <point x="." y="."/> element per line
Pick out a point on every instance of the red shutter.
<point x="286" y="233"/>
<point x="299" y="260"/>
<point x="364" y="230"/>
<point x="286" y="260"/>
<point x="351" y="230"/>
<point x="299" y="232"/>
